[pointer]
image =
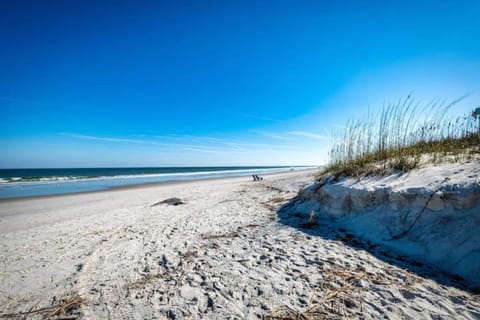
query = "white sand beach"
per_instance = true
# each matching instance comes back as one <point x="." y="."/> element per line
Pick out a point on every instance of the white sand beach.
<point x="223" y="254"/>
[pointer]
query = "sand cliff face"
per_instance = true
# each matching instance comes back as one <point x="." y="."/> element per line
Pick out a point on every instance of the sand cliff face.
<point x="431" y="215"/>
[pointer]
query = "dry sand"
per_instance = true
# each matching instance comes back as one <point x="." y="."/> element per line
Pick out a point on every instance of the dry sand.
<point x="222" y="255"/>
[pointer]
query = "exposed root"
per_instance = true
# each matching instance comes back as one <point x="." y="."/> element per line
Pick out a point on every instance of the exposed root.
<point x="404" y="233"/>
<point x="312" y="221"/>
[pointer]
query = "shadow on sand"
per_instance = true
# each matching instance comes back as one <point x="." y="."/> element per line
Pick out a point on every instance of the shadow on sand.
<point x="327" y="229"/>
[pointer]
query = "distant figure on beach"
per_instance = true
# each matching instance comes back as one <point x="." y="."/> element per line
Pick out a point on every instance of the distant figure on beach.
<point x="256" y="177"/>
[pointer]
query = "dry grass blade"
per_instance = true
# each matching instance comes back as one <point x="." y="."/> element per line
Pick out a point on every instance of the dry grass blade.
<point x="272" y="188"/>
<point x="189" y="255"/>
<point x="340" y="291"/>
<point x="65" y="307"/>
<point x="231" y="234"/>
<point x="278" y="200"/>
<point x="273" y="203"/>
<point x="141" y="283"/>
<point x="286" y="313"/>
<point x="270" y="206"/>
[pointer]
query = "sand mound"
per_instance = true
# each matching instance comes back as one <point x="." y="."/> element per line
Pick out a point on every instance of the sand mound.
<point x="431" y="214"/>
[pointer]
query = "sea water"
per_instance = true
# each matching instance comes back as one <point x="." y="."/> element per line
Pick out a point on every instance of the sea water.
<point x="16" y="183"/>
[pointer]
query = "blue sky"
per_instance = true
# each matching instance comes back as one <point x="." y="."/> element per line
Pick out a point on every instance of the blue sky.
<point x="85" y="84"/>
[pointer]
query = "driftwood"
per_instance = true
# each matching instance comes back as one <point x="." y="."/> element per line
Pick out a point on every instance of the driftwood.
<point x="171" y="201"/>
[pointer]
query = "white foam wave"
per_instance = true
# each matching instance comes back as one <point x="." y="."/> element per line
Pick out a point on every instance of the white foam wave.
<point x="160" y="176"/>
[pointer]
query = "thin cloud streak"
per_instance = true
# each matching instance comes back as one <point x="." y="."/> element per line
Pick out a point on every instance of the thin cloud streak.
<point x="262" y="118"/>
<point x="293" y="135"/>
<point x="142" y="142"/>
<point x="222" y="145"/>
<point x="310" y="135"/>
<point x="273" y="135"/>
<point x="105" y="139"/>
<point x="32" y="103"/>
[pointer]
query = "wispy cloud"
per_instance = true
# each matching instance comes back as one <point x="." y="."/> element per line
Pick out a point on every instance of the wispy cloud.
<point x="220" y="145"/>
<point x="255" y="146"/>
<point x="142" y="142"/>
<point x="272" y="135"/>
<point x="30" y="102"/>
<point x="310" y="135"/>
<point x="187" y="136"/>
<point x="106" y="139"/>
<point x="293" y="135"/>
<point x="262" y="118"/>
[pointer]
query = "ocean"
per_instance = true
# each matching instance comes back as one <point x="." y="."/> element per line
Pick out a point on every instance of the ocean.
<point x="15" y="183"/>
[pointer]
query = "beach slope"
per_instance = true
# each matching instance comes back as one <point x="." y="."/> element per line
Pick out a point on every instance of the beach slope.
<point x="220" y="250"/>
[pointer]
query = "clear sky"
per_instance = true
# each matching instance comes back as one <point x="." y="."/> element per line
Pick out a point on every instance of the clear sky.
<point x="175" y="83"/>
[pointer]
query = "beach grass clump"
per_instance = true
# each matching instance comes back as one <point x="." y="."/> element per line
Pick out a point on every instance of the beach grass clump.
<point x="403" y="136"/>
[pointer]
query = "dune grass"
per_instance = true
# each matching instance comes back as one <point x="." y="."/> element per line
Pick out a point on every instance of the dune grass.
<point x="401" y="137"/>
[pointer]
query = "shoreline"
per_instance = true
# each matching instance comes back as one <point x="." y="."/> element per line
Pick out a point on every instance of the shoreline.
<point x="147" y="184"/>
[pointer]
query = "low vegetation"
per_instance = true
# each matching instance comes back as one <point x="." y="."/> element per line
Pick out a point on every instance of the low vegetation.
<point x="403" y="136"/>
